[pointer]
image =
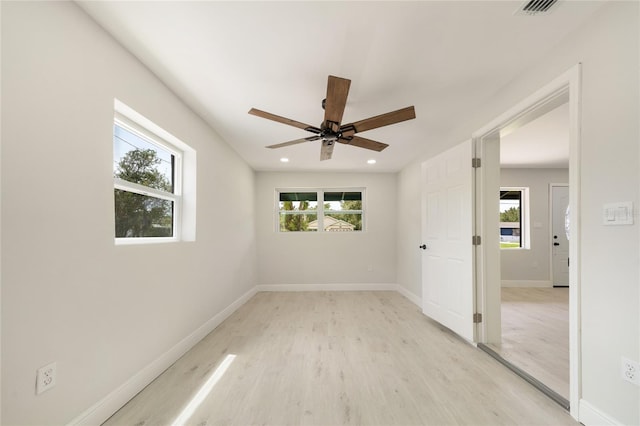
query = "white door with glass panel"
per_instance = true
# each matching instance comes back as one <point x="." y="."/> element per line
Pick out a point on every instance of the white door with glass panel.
<point x="447" y="268"/>
<point x="559" y="237"/>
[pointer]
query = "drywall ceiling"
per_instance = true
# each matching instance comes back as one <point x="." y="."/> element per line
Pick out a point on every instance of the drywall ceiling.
<point x="447" y="58"/>
<point x="541" y="143"/>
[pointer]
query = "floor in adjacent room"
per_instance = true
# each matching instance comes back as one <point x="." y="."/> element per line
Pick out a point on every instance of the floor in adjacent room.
<point x="535" y="334"/>
<point x="333" y="358"/>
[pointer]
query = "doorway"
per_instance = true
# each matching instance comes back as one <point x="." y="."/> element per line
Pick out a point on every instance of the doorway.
<point x="492" y="263"/>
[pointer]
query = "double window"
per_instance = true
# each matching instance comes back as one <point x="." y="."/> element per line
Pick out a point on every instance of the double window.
<point x="320" y="210"/>
<point x="147" y="184"/>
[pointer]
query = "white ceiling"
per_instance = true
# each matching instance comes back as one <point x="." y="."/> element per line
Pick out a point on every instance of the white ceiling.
<point x="543" y="142"/>
<point x="445" y="57"/>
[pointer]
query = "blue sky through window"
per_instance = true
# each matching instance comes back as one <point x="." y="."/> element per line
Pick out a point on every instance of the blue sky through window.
<point x="125" y="141"/>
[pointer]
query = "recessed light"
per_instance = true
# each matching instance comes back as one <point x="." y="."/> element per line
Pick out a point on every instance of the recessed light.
<point x="284" y="160"/>
<point x="372" y="161"/>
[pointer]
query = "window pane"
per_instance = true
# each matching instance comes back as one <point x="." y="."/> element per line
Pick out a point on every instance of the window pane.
<point x="348" y="202"/>
<point x="298" y="196"/>
<point x="343" y="196"/>
<point x="343" y="222"/>
<point x="298" y="222"/>
<point x="293" y="211"/>
<point x="298" y="205"/>
<point x="510" y="219"/>
<point x="137" y="160"/>
<point x="142" y="215"/>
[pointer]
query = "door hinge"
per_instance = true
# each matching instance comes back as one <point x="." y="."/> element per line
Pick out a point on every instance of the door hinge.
<point x="476" y="163"/>
<point x="477" y="318"/>
<point x="476" y="240"/>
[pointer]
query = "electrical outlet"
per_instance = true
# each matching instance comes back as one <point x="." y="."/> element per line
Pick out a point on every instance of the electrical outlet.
<point x="46" y="378"/>
<point x="630" y="371"/>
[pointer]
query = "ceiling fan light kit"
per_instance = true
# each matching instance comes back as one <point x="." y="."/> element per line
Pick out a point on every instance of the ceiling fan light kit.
<point x="331" y="130"/>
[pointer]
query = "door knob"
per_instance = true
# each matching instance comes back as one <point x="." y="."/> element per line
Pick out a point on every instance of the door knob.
<point x="423" y="247"/>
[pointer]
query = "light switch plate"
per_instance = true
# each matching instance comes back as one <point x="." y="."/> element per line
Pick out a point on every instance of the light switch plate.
<point x="618" y="213"/>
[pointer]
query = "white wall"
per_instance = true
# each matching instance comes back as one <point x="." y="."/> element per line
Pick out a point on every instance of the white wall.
<point x="102" y="312"/>
<point x="410" y="230"/>
<point x="607" y="46"/>
<point x="328" y="258"/>
<point x="532" y="264"/>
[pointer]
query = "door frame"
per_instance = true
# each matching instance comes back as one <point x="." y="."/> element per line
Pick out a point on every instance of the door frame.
<point x="551" y="186"/>
<point x="566" y="87"/>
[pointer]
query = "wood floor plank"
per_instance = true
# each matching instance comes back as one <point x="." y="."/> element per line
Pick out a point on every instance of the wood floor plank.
<point x="339" y="358"/>
<point x="535" y="334"/>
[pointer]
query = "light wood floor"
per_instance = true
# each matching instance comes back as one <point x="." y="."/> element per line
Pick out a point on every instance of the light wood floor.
<point x="334" y="358"/>
<point x="535" y="334"/>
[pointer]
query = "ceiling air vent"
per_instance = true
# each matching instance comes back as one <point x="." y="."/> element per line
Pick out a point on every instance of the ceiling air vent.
<point x="536" y="7"/>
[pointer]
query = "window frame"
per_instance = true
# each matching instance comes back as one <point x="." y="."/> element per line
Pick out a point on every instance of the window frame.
<point x="525" y="229"/>
<point x="153" y="138"/>
<point x="320" y="211"/>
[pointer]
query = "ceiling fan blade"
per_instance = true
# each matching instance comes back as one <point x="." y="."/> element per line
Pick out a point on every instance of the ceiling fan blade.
<point x="363" y="143"/>
<point x="280" y="145"/>
<point x="284" y="120"/>
<point x="327" y="150"/>
<point x="393" y="117"/>
<point x="337" y="92"/>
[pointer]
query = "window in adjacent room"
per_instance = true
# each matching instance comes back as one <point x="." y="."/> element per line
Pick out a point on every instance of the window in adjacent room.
<point x="513" y="212"/>
<point x="320" y="210"/>
<point x="147" y="184"/>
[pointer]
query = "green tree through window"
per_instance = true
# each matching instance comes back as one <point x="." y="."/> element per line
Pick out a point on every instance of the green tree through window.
<point x="139" y="215"/>
<point x="510" y="215"/>
<point x="302" y="211"/>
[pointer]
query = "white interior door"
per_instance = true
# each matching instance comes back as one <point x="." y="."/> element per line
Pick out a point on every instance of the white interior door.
<point x="447" y="268"/>
<point x="559" y="240"/>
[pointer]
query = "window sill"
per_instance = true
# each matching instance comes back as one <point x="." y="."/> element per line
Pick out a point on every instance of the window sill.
<point x="144" y="240"/>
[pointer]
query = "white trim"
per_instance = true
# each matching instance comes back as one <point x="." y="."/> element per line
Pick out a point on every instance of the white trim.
<point x="144" y="190"/>
<point x="111" y="403"/>
<point x="487" y="221"/>
<point x="566" y="86"/>
<point x="132" y="241"/>
<point x="130" y="115"/>
<point x="416" y="300"/>
<point x="327" y="287"/>
<point x="525" y="217"/>
<point x="149" y="136"/>
<point x="591" y="416"/>
<point x="574" y="81"/>
<point x="135" y="123"/>
<point x="526" y="283"/>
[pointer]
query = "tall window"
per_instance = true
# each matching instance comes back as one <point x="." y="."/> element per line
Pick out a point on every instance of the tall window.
<point x="512" y="225"/>
<point x="320" y="210"/>
<point x="147" y="184"/>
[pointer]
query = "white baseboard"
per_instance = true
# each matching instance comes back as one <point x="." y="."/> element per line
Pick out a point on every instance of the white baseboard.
<point x="106" y="407"/>
<point x="409" y="295"/>
<point x="327" y="287"/>
<point x="526" y="283"/>
<point x="589" y="415"/>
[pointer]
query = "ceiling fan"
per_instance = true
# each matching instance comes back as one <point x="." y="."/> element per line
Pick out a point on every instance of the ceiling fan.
<point x="331" y="130"/>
